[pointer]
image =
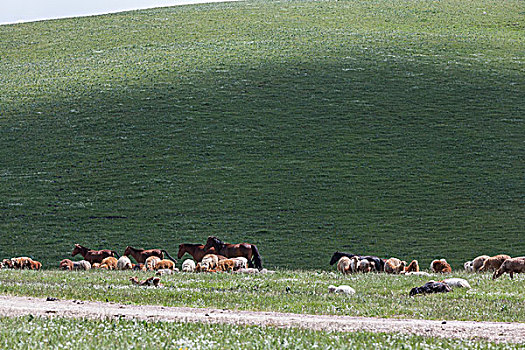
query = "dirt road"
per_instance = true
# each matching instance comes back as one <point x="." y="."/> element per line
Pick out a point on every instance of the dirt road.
<point x="493" y="331"/>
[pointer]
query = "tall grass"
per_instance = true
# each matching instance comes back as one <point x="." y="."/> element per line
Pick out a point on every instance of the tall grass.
<point x="392" y="128"/>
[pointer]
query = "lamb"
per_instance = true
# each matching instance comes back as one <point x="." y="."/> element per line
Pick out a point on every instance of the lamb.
<point x="151" y="262"/>
<point x="468" y="266"/>
<point x="440" y="266"/>
<point x="412" y="267"/>
<point x="188" y="266"/>
<point x="511" y="266"/>
<point x="152" y="281"/>
<point x="208" y="263"/>
<point x="431" y="287"/>
<point x="165" y="264"/>
<point x="344" y="265"/>
<point x="343" y="289"/>
<point x="110" y="262"/>
<point x="123" y="263"/>
<point x="67" y="264"/>
<point x="240" y="263"/>
<point x="394" y="265"/>
<point x="35" y="265"/>
<point x="457" y="283"/>
<point x="477" y="263"/>
<point x="365" y="266"/>
<point x="493" y="263"/>
<point x="226" y="265"/>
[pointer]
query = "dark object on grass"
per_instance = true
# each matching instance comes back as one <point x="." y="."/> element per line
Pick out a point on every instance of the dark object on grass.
<point x="51" y="299"/>
<point x="431" y="287"/>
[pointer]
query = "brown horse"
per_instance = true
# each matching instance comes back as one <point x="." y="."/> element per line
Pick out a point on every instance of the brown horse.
<point x="195" y="250"/>
<point x="246" y="250"/>
<point x="93" y="256"/>
<point x="140" y="255"/>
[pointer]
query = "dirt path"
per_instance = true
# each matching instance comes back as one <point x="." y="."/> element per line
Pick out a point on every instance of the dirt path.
<point x="493" y="331"/>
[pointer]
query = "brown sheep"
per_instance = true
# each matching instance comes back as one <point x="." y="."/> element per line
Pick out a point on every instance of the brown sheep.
<point x="151" y="262"/>
<point x="226" y="265"/>
<point x="365" y="266"/>
<point x="440" y="266"/>
<point x="165" y="264"/>
<point x="511" y="266"/>
<point x="394" y="265"/>
<point x="412" y="267"/>
<point x="66" y="264"/>
<point x="35" y="265"/>
<point x="110" y="262"/>
<point x="493" y="263"/>
<point x="477" y="263"/>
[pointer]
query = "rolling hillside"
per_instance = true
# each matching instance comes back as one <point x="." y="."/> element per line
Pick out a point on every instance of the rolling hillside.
<point x="379" y="127"/>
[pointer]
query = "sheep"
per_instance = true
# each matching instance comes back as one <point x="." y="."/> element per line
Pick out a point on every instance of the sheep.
<point x="493" y="263"/>
<point x="343" y="289"/>
<point x="188" y="266"/>
<point x="249" y="270"/>
<point x="240" y="263"/>
<point x="35" y="265"/>
<point x="511" y="266"/>
<point x="457" y="283"/>
<point x="394" y="265"/>
<point x="123" y="263"/>
<point x="477" y="263"/>
<point x="365" y="266"/>
<point x="7" y="263"/>
<point x="166" y="272"/>
<point x="165" y="264"/>
<point x="468" y="266"/>
<point x="412" y="267"/>
<point x="81" y="265"/>
<point x="440" y="266"/>
<point x="65" y="264"/>
<point x="208" y="263"/>
<point x="138" y="267"/>
<point x="151" y="262"/>
<point x="226" y="265"/>
<point x="152" y="281"/>
<point x="343" y="265"/>
<point x="110" y="262"/>
<point x="431" y="287"/>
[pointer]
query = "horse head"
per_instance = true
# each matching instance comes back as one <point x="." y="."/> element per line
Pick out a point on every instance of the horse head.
<point x="335" y="257"/>
<point x="182" y="250"/>
<point x="128" y="250"/>
<point x="213" y="242"/>
<point x="78" y="250"/>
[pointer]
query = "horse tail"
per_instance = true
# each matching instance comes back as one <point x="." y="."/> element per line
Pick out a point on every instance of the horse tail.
<point x="169" y="256"/>
<point x="116" y="254"/>
<point x="257" y="260"/>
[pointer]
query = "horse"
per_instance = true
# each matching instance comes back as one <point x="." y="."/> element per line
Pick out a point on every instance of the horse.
<point x="378" y="262"/>
<point x="93" y="256"/>
<point x="140" y="255"/>
<point x="197" y="251"/>
<point x="246" y="250"/>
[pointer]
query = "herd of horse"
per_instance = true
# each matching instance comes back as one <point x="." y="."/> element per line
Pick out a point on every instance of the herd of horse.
<point x="212" y="246"/>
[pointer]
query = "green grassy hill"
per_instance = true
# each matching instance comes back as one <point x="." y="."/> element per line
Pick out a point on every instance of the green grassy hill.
<point x="392" y="128"/>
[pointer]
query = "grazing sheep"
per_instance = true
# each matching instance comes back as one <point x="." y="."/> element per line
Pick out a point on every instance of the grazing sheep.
<point x="151" y="262"/>
<point x="22" y="262"/>
<point x="35" y="265"/>
<point x="7" y="263"/>
<point x="65" y="264"/>
<point x="95" y="266"/>
<point x="440" y="266"/>
<point x="431" y="287"/>
<point x="511" y="266"/>
<point x="188" y="265"/>
<point x="123" y="263"/>
<point x="457" y="283"/>
<point x="152" y="281"/>
<point x="110" y="262"/>
<point x="165" y="264"/>
<point x="412" y="267"/>
<point x="240" y="263"/>
<point x="208" y="263"/>
<point x="365" y="266"/>
<point x="139" y="267"/>
<point x="468" y="266"/>
<point x="226" y="265"/>
<point x="343" y="265"/>
<point x="477" y="263"/>
<point x="394" y="266"/>
<point x="493" y="263"/>
<point x="343" y="289"/>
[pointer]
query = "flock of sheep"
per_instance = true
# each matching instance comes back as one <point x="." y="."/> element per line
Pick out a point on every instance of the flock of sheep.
<point x="352" y="263"/>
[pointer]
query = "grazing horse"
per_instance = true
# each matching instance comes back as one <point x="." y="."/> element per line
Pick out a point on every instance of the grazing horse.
<point x="197" y="251"/>
<point x="140" y="255"/>
<point x="93" y="256"/>
<point x="379" y="263"/>
<point x="246" y="250"/>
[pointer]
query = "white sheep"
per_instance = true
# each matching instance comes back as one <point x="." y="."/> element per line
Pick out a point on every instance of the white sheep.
<point x="188" y="266"/>
<point x="240" y="263"/>
<point x="468" y="266"/>
<point x="457" y="283"/>
<point x="124" y="263"/>
<point x="343" y="289"/>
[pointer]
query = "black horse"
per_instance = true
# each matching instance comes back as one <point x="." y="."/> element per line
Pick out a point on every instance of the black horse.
<point x="378" y="262"/>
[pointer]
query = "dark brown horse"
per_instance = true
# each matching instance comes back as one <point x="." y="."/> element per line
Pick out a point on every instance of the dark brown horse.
<point x="93" y="256"/>
<point x="246" y="250"/>
<point x="197" y="251"/>
<point x="140" y="255"/>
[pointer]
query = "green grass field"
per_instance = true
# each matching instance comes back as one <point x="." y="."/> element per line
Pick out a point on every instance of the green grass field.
<point x="31" y="332"/>
<point x="303" y="292"/>
<point x="392" y="128"/>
